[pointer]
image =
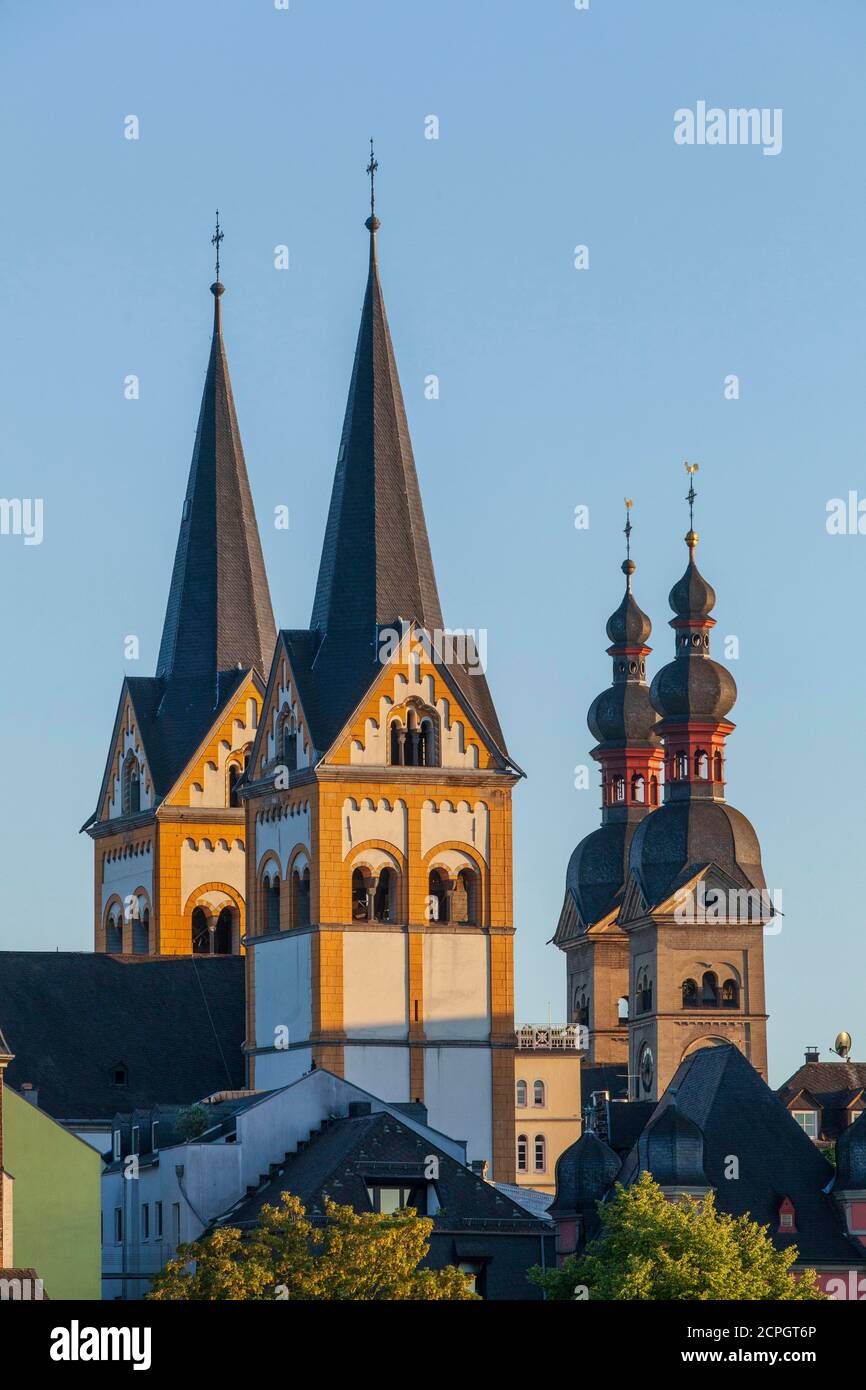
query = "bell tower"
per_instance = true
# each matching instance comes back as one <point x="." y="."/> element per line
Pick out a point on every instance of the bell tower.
<point x="696" y="900"/>
<point x="629" y="754"/>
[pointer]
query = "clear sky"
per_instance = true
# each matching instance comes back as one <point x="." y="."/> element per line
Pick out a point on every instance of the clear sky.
<point x="558" y="387"/>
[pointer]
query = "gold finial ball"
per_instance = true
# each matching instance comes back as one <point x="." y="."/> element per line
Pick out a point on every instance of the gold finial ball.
<point x="628" y="567"/>
<point x="372" y="224"/>
<point x="217" y="289"/>
<point x="692" y="539"/>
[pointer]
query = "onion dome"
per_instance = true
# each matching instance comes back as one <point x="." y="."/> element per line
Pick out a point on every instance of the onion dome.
<point x="671" y="1148"/>
<point x="584" y="1172"/>
<point x="685" y="835"/>
<point x="693" y="686"/>
<point x="629" y="626"/>
<point x="851" y="1157"/>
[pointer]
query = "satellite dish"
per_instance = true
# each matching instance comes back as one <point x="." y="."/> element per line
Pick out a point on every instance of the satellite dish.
<point x="842" y="1045"/>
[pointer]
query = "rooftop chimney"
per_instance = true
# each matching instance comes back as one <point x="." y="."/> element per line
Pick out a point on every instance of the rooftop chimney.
<point x="813" y="1054"/>
<point x="29" y="1092"/>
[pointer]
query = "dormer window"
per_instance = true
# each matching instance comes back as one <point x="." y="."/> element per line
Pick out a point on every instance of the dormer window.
<point x="787" y="1217"/>
<point x="120" y="1074"/>
<point x="808" y="1121"/>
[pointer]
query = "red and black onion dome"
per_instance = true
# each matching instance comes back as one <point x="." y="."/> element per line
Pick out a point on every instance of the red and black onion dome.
<point x="623" y="714"/>
<point x="629" y="626"/>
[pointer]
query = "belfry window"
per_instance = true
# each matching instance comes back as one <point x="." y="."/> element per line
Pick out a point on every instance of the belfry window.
<point x="384" y="898"/>
<point x="464" y="901"/>
<point x="301" y="897"/>
<point x="360" y="897"/>
<point x="730" y="995"/>
<point x="290" y="743"/>
<point x="717" y="766"/>
<point x="681" y="767"/>
<point x="690" y="994"/>
<point x="130" y="792"/>
<point x="702" y="763"/>
<point x="415" y="743"/>
<point x="654" y="791"/>
<point x="141" y="932"/>
<point x="709" y="991"/>
<point x="618" y="789"/>
<point x="222" y="937"/>
<point x="638" y="788"/>
<point x="581" y="1008"/>
<point x="114" y="933"/>
<point x="234" y="778"/>
<point x="200" y="933"/>
<point x="439" y="897"/>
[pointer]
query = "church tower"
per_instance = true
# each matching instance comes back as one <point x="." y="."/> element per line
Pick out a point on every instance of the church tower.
<point x="379" y="809"/>
<point x="168" y="831"/>
<point x="696" y="900"/>
<point x="629" y="754"/>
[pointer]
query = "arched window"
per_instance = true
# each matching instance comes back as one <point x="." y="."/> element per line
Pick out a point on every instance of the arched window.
<point x="681" y="766"/>
<point x="644" y="992"/>
<point x="141" y="932"/>
<point x="690" y="994"/>
<point x="200" y="933"/>
<point x="709" y="991"/>
<point x="538" y="1093"/>
<point x="384" y="898"/>
<point x="234" y="778"/>
<point x="540" y="1153"/>
<point x="222" y="937"/>
<point x="581" y="1008"/>
<point x="114" y="933"/>
<point x="415" y="744"/>
<point x="398" y="734"/>
<point x="360" y="897"/>
<point x="271" y="890"/>
<point x="464" y="902"/>
<point x="717" y="766"/>
<point x="427" y="744"/>
<point x="289" y="749"/>
<point x="521" y="1093"/>
<point x="654" y="791"/>
<point x="439" y="896"/>
<point x="130" y="788"/>
<point x="638" y="788"/>
<point x="622" y="1009"/>
<point x="301" y="897"/>
<point x="730" y="995"/>
<point x="618" y="789"/>
<point x="702" y="763"/>
<point x="522" y="1154"/>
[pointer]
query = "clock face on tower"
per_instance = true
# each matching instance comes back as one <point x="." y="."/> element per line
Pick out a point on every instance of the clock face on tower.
<point x="647" y="1068"/>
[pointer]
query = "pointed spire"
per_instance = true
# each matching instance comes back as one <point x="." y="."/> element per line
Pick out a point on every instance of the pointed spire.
<point x="219" y="614"/>
<point x="376" y="565"/>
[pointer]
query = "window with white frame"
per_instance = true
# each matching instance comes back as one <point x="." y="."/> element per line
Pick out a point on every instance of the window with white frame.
<point x="808" y="1121"/>
<point x="540" y="1153"/>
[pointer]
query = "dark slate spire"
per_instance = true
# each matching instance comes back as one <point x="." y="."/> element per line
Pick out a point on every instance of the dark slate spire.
<point x="376" y="565"/>
<point x="219" y="614"/>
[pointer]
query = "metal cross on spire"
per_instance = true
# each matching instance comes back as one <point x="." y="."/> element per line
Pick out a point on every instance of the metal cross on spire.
<point x="691" y="538"/>
<point x="215" y="240"/>
<point x="371" y="170"/>
<point x="628" y="567"/>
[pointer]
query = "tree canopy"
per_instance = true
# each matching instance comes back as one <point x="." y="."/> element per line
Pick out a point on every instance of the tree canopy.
<point x="653" y="1248"/>
<point x="288" y="1257"/>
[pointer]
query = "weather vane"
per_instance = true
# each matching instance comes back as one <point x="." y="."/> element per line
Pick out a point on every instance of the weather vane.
<point x="215" y="240"/>
<point x="371" y="170"/>
<point x="628" y="506"/>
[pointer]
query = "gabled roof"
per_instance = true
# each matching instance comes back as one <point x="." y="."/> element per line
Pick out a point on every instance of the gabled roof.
<point x="720" y="1092"/>
<point x="348" y="1153"/>
<point x="376" y="567"/>
<point x="219" y="612"/>
<point x="175" y="1022"/>
<point x="832" y="1087"/>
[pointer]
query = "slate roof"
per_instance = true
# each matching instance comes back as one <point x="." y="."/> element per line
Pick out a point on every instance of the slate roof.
<point x="219" y="612"/>
<point x="340" y="1159"/>
<point x="719" y="1091"/>
<point x="376" y="566"/>
<point x="176" y="1022"/>
<point x="219" y="624"/>
<point x="833" y="1085"/>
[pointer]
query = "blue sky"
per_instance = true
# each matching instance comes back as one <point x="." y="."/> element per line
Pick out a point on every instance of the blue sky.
<point x="558" y="387"/>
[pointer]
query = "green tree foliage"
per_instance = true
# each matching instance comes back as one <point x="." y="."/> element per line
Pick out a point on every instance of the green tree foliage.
<point x="355" y="1257"/>
<point x="652" y="1248"/>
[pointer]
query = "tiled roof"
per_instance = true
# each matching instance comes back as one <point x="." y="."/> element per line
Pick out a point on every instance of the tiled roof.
<point x="176" y="1023"/>
<point x="833" y="1085"/>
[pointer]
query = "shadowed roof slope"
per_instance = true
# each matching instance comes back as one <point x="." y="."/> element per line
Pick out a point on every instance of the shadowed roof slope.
<point x="175" y="1022"/>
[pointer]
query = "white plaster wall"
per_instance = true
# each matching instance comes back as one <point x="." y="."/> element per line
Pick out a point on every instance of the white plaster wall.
<point x="283" y="992"/>
<point x="280" y="834"/>
<point x="211" y="861"/>
<point x="129" y="738"/>
<point x="456" y="986"/>
<point x="471" y="824"/>
<point x="458" y="1091"/>
<point x="382" y="1070"/>
<point x="375" y="984"/>
<point x="374" y="822"/>
<point x="125" y="874"/>
<point x="213" y="791"/>
<point x="282" y="1068"/>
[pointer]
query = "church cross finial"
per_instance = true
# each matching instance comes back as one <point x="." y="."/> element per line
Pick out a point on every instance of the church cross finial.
<point x="692" y="537"/>
<point x="371" y="170"/>
<point x="628" y="567"/>
<point x="215" y="240"/>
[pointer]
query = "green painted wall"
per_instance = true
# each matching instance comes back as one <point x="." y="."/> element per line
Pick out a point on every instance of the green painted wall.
<point x="55" y="1197"/>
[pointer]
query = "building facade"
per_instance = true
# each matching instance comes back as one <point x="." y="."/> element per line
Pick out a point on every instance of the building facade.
<point x="547" y="1101"/>
<point x="378" y="802"/>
